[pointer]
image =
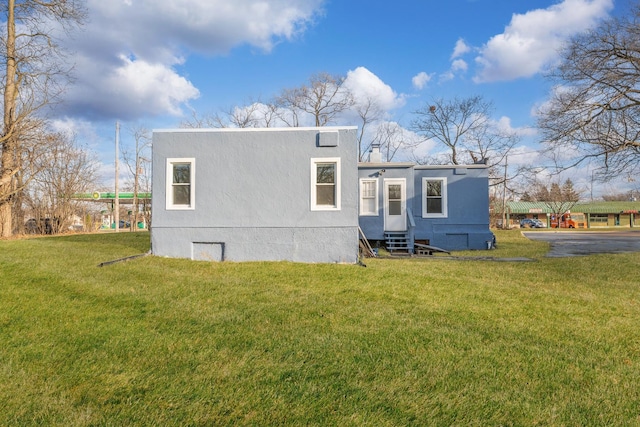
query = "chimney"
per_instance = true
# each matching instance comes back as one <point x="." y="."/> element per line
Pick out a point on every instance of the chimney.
<point x="375" y="156"/>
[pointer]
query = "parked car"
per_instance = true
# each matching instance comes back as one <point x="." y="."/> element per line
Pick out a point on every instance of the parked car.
<point x="123" y="224"/>
<point x="40" y="226"/>
<point x="531" y="223"/>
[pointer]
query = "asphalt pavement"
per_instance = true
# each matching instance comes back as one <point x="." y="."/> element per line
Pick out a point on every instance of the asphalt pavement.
<point x="565" y="243"/>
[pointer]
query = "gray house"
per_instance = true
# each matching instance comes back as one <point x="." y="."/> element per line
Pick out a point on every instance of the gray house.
<point x="256" y="194"/>
<point x="299" y="194"/>
<point x="404" y="204"/>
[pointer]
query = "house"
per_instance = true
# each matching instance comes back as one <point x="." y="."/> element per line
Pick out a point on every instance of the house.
<point x="446" y="206"/>
<point x="299" y="194"/>
<point x="256" y="194"/>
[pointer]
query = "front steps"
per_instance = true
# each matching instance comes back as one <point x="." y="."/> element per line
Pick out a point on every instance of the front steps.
<point x="397" y="241"/>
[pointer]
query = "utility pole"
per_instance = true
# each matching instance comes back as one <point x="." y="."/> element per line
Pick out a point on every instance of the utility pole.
<point x="116" y="202"/>
<point x="136" y="185"/>
<point x="134" y="220"/>
<point x="504" y="194"/>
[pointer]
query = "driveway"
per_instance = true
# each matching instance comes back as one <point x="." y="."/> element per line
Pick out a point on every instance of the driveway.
<point x="579" y="243"/>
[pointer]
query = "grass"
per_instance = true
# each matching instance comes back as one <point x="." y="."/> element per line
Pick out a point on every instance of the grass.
<point x="156" y="341"/>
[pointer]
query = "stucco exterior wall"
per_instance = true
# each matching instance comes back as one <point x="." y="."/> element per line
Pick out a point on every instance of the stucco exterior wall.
<point x="373" y="226"/>
<point x="466" y="225"/>
<point x="253" y="195"/>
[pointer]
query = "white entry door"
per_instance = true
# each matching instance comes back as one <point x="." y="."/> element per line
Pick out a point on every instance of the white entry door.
<point x="395" y="205"/>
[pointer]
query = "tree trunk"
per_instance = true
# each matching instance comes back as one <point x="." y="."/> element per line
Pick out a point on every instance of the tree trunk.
<point x="18" y="204"/>
<point x="9" y="143"/>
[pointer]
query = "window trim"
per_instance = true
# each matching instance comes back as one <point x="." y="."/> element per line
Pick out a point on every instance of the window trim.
<point x="169" y="183"/>
<point x="445" y="201"/>
<point x="376" y="207"/>
<point x="313" y="184"/>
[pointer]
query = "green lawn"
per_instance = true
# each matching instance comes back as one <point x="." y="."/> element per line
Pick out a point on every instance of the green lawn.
<point x="162" y="342"/>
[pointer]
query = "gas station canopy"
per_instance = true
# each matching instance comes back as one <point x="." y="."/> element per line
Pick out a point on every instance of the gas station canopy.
<point x="123" y="197"/>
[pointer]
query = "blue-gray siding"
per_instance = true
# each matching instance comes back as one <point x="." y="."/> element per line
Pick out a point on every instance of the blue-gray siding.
<point x="252" y="196"/>
<point x="466" y="225"/>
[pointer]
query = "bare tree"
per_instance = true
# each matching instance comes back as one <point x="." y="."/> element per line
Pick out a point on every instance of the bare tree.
<point x="392" y="138"/>
<point x="464" y="127"/>
<point x="558" y="198"/>
<point x="206" y="121"/>
<point x="254" y="114"/>
<point x="33" y="141"/>
<point x="632" y="196"/>
<point x="373" y="129"/>
<point x="450" y="122"/>
<point x="594" y="112"/>
<point x="320" y="102"/>
<point x="369" y="112"/>
<point x="323" y="98"/>
<point x="490" y="144"/>
<point x="64" y="169"/>
<point x="34" y="67"/>
<point x="138" y="163"/>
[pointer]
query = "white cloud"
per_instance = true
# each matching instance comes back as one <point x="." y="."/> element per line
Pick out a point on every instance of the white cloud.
<point x="149" y="27"/>
<point x="504" y="124"/>
<point x="460" y="49"/>
<point x="446" y="76"/>
<point x="140" y="82"/>
<point x="531" y="41"/>
<point x="130" y="89"/>
<point x="421" y="79"/>
<point x="526" y="156"/>
<point x="129" y="54"/>
<point x="459" y="65"/>
<point x="83" y="129"/>
<point x="366" y="86"/>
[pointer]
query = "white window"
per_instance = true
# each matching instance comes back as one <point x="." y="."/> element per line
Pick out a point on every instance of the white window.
<point x="325" y="184"/>
<point x="181" y="183"/>
<point x="369" y="197"/>
<point x="434" y="197"/>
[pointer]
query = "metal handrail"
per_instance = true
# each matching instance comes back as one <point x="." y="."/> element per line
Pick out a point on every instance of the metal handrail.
<point x="412" y="222"/>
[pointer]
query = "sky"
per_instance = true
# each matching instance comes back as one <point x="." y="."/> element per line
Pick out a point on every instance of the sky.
<point x="154" y="63"/>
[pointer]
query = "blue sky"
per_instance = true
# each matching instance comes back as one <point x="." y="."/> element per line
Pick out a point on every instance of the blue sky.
<point x="150" y="63"/>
